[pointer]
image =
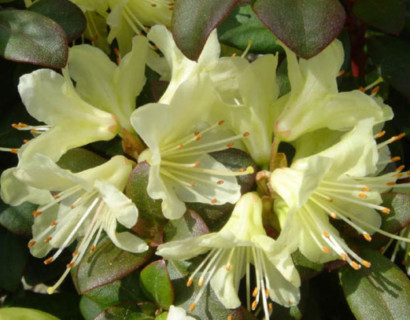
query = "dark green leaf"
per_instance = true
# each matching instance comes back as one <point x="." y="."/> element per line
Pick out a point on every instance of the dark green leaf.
<point x="80" y="159"/>
<point x="106" y="264"/>
<point x="65" y="13"/>
<point x="305" y="26"/>
<point x="89" y="308"/>
<point x="243" y="25"/>
<point x="380" y="292"/>
<point x="193" y="21"/>
<point x="393" y="57"/>
<point x="307" y="269"/>
<point x="387" y="16"/>
<point x="157" y="285"/>
<point x="30" y="37"/>
<point x="126" y="311"/>
<point x="190" y="225"/>
<point x="13" y="257"/>
<point x="18" y="219"/>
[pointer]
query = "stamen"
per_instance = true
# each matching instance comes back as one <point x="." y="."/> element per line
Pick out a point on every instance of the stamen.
<point x="12" y="150"/>
<point x="380" y="134"/>
<point x="31" y="243"/>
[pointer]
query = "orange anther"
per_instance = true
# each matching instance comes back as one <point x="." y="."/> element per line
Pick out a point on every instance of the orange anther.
<point x="380" y="134"/>
<point x="192" y="307"/>
<point x="37" y="213"/>
<point x="326" y="250"/>
<point x="14" y="150"/>
<point x="362" y="195"/>
<point x="48" y="239"/>
<point x="53" y="223"/>
<point x="245" y="134"/>
<point x="190" y="281"/>
<point x="70" y="265"/>
<point x="326" y="234"/>
<point x="367" y="237"/>
<point x="398" y="169"/>
<point x="355" y="265"/>
<point x="392" y="183"/>
<point x="366" y="263"/>
<point x="362" y="89"/>
<point x="48" y="261"/>
<point x="192" y="184"/>
<point x="230" y="144"/>
<point x="375" y="90"/>
<point x="220" y="182"/>
<point x="196" y="163"/>
<point x="341" y="72"/>
<point x="198" y="137"/>
<point x="75" y="253"/>
<point x="31" y="243"/>
<point x="92" y="248"/>
<point x="255" y="292"/>
<point x="343" y="256"/>
<point x="213" y="201"/>
<point x="366" y="189"/>
<point x="254" y="304"/>
<point x="221" y="122"/>
<point x="179" y="146"/>
<point x="386" y="210"/>
<point x="333" y="215"/>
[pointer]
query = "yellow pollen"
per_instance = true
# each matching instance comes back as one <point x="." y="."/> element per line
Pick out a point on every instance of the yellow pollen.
<point x="230" y="144"/>
<point x="201" y="281"/>
<point x="48" y="261"/>
<point x="70" y="265"/>
<point x="366" y="263"/>
<point x="31" y="243"/>
<point x="14" y="150"/>
<point x="333" y="215"/>
<point x="192" y="307"/>
<point x="189" y="282"/>
<point x="92" y="248"/>
<point x="192" y="184"/>
<point x="398" y="169"/>
<point x="362" y="195"/>
<point x="179" y="146"/>
<point x="395" y="159"/>
<point x="366" y="189"/>
<point x="254" y="304"/>
<point x="220" y="182"/>
<point x="355" y="265"/>
<point x="48" y="239"/>
<point x="380" y="134"/>
<point x="343" y="256"/>
<point x="213" y="201"/>
<point x="341" y="72"/>
<point x="245" y="134"/>
<point x="326" y="250"/>
<point x="196" y="163"/>
<point x="386" y="210"/>
<point x="326" y="234"/>
<point x="367" y="237"/>
<point x="391" y="183"/>
<point x="250" y="170"/>
<point x="228" y="267"/>
<point x="375" y="90"/>
<point x="37" y="213"/>
<point x="255" y="292"/>
<point x="75" y="253"/>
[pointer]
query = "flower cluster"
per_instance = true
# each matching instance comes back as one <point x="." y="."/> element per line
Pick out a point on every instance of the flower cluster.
<point x="338" y="171"/>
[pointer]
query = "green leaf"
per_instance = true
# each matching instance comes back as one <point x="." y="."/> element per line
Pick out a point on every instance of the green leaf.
<point x="190" y="225"/>
<point x="193" y="21"/>
<point x="13" y="257"/>
<point x="123" y="312"/>
<point x="24" y="314"/>
<point x="65" y="13"/>
<point x="305" y="26"/>
<point x="32" y="38"/>
<point x="156" y="284"/>
<point x="306" y="268"/>
<point x="380" y="292"/>
<point x="92" y="271"/>
<point x="80" y="159"/>
<point x="241" y="26"/>
<point x="393" y="57"/>
<point x="18" y="219"/>
<point x="388" y="16"/>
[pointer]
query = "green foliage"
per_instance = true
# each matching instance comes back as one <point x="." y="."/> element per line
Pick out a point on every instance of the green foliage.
<point x="33" y="38"/>
<point x="380" y="292"/>
<point x="193" y="21"/>
<point x="24" y="314"/>
<point x="305" y="26"/>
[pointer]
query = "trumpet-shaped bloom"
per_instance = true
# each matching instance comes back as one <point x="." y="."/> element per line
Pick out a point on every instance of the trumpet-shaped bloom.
<point x="95" y="109"/>
<point x="180" y="137"/>
<point x="240" y="243"/>
<point x="133" y="17"/>
<point x="314" y="101"/>
<point x="84" y="204"/>
<point x="339" y="183"/>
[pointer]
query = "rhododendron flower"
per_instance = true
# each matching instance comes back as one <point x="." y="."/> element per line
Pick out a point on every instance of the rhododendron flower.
<point x="314" y="101"/>
<point x="84" y="204"/>
<point x="180" y="137"/>
<point x="176" y="313"/>
<point x="339" y="183"/>
<point x="240" y="243"/>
